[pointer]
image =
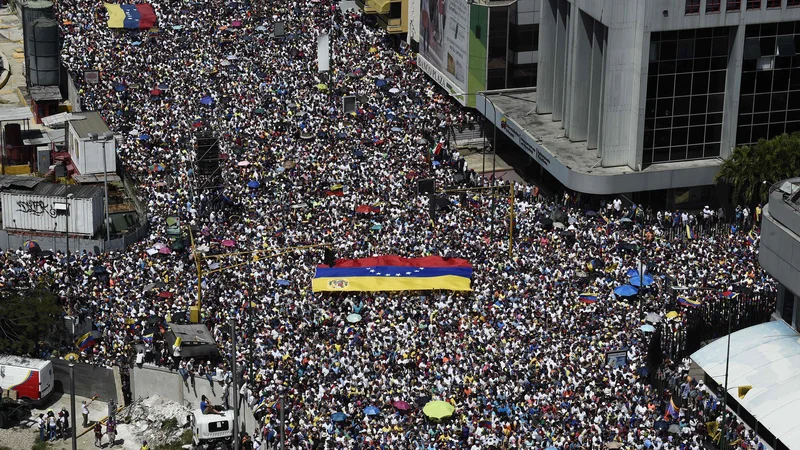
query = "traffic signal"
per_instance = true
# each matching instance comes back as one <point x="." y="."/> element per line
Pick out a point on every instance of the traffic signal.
<point x="330" y="258"/>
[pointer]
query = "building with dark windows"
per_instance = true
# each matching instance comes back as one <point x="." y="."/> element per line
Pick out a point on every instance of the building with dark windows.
<point x="779" y="251"/>
<point x="470" y="46"/>
<point x="652" y="95"/>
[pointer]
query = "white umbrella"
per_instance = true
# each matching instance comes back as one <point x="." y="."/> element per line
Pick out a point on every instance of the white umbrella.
<point x="653" y="318"/>
<point x="558" y="225"/>
<point x="394" y="90"/>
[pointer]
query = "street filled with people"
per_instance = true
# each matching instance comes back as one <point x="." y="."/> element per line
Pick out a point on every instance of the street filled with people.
<point x="522" y="357"/>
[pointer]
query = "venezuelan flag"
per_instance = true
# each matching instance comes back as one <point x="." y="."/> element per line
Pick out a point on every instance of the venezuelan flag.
<point x="148" y="338"/>
<point x="588" y="297"/>
<point x="690" y="233"/>
<point x="688" y="302"/>
<point x="751" y="237"/>
<point x="672" y="410"/>
<point x="85" y="341"/>
<point x="394" y="273"/>
<point x="728" y="294"/>
<point x="135" y="17"/>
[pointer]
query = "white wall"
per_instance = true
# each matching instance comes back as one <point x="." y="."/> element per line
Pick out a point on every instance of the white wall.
<point x="413" y="21"/>
<point x="87" y="155"/>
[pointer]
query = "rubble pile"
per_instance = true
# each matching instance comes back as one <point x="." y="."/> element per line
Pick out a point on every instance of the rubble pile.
<point x="155" y="419"/>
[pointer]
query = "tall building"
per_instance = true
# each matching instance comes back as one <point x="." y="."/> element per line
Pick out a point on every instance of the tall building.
<point x="470" y="46"/>
<point x="779" y="252"/>
<point x="652" y="95"/>
<point x="392" y="15"/>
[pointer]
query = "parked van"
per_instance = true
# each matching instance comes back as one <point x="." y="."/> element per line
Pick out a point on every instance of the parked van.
<point x="31" y="378"/>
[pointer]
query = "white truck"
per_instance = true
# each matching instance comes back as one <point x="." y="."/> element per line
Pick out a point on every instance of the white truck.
<point x="32" y="379"/>
<point x="212" y="431"/>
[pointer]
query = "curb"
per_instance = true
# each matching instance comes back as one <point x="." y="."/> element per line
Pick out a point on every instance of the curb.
<point x="6" y="74"/>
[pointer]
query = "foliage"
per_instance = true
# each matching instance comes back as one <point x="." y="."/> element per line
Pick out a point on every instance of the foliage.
<point x="27" y="318"/>
<point x="185" y="439"/>
<point x="170" y="424"/>
<point x="749" y="167"/>
<point x="39" y="445"/>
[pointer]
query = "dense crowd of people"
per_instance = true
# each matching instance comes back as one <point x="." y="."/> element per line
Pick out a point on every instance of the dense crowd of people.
<point x="520" y="357"/>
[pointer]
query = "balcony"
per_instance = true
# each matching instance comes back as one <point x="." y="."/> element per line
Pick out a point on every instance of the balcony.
<point x="392" y="26"/>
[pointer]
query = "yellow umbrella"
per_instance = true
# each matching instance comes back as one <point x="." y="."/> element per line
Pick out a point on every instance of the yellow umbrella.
<point x="322" y="87"/>
<point x="672" y="314"/>
<point x="438" y="409"/>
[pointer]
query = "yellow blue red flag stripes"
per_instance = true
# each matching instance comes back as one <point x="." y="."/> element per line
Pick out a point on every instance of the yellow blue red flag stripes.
<point x="672" y="410"/>
<point x="588" y="297"/>
<point x="85" y="341"/>
<point x="141" y="16"/>
<point x="688" y="302"/>
<point x="394" y="273"/>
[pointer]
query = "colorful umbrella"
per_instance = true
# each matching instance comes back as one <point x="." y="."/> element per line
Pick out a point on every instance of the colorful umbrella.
<point x="647" y="328"/>
<point x="228" y="243"/>
<point x="401" y="405"/>
<point x="354" y="318"/>
<point x="638" y="281"/>
<point x="371" y="411"/>
<point x="165" y="294"/>
<point x="339" y="417"/>
<point x="165" y="251"/>
<point x="207" y="100"/>
<point x="438" y="409"/>
<point x="322" y="87"/>
<point x="155" y="92"/>
<point x="626" y="291"/>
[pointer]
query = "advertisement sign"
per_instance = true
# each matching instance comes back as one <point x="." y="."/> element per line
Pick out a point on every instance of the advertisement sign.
<point x="444" y="38"/>
<point x="617" y="358"/>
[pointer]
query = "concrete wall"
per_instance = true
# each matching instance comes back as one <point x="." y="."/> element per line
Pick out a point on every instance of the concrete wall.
<point x="89" y="380"/>
<point x="779" y="252"/>
<point x="152" y="380"/>
<point x="73" y="95"/>
<point x="15" y="239"/>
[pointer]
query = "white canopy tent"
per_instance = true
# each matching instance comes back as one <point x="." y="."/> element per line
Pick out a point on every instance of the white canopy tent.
<point x="766" y="357"/>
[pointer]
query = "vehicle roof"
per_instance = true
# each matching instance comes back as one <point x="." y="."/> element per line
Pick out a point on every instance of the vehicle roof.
<point x="21" y="361"/>
<point x="206" y="418"/>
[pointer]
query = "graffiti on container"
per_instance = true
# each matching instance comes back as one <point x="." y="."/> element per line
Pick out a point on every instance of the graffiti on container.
<point x="35" y="207"/>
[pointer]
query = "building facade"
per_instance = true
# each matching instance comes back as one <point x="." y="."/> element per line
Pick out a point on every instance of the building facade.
<point x="667" y="87"/>
<point x="779" y="251"/>
<point x="470" y="46"/>
<point x="392" y="15"/>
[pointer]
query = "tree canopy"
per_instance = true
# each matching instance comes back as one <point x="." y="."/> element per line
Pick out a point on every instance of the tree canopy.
<point x="751" y="170"/>
<point x="27" y="318"/>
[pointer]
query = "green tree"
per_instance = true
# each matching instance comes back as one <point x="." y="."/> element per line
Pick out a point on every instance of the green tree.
<point x="751" y="170"/>
<point x="26" y="319"/>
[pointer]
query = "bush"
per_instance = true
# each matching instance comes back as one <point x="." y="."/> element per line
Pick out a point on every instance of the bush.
<point x="170" y="425"/>
<point x="186" y="438"/>
<point x="39" y="445"/>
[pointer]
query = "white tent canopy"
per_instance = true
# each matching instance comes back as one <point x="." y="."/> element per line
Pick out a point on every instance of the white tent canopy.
<point x="766" y="357"/>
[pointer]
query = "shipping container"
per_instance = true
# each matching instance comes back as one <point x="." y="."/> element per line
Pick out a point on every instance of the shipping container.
<point x="37" y="209"/>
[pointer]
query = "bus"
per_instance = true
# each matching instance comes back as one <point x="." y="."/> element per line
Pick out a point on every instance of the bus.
<point x="31" y="378"/>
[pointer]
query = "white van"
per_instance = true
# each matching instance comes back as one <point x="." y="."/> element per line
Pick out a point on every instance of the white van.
<point x="31" y="378"/>
<point x="212" y="431"/>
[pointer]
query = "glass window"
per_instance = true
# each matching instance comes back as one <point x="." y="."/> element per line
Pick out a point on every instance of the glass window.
<point x="692" y="6"/>
<point x="666" y="85"/>
<point x="678" y="153"/>
<point x="786" y="46"/>
<point x="733" y="5"/>
<point x="753" y="4"/>
<point x="712" y="6"/>
<point x="773" y="3"/>
<point x="695" y="152"/>
<point x="791" y="3"/>
<point x="711" y="151"/>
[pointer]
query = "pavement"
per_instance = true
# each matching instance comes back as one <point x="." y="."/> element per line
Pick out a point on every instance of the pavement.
<point x="11" y="49"/>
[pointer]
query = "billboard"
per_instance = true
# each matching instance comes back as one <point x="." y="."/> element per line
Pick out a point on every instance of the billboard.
<point x="447" y="36"/>
<point x="444" y="38"/>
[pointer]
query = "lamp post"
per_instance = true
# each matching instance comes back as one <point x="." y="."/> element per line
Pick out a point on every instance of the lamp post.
<point x="494" y="156"/>
<point x="105" y="137"/>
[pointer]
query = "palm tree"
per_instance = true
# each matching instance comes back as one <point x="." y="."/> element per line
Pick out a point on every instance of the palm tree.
<point x="751" y="170"/>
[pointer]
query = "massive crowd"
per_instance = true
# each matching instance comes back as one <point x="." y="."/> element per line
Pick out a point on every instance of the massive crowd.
<point x="520" y="357"/>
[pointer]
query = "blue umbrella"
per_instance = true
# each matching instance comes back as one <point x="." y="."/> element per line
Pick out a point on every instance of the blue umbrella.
<point x="436" y="163"/>
<point x="339" y="417"/>
<point x="371" y="411"/>
<point x="638" y="281"/>
<point x="177" y="27"/>
<point x="207" y="100"/>
<point x="377" y="226"/>
<point x="380" y="83"/>
<point x="647" y="328"/>
<point x="283" y="282"/>
<point x="626" y="291"/>
<point x="253" y="184"/>
<point x="136" y="43"/>
<point x="632" y="273"/>
<point x="163" y="86"/>
<point x="144" y="137"/>
<point x="503" y="410"/>
<point x="119" y="87"/>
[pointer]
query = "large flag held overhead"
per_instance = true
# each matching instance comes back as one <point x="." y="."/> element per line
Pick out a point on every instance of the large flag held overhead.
<point x="394" y="273"/>
<point x="85" y="341"/>
<point x="141" y="16"/>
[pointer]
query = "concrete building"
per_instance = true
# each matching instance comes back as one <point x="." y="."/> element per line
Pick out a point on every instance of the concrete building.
<point x="652" y="95"/>
<point x="779" y="252"/>
<point x="470" y="46"/>
<point x="392" y="15"/>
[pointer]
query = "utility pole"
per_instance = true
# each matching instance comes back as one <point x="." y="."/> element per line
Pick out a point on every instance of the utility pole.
<point x="107" y="136"/>
<point x="74" y="427"/>
<point x="283" y="422"/>
<point x="235" y="386"/>
<point x="723" y="435"/>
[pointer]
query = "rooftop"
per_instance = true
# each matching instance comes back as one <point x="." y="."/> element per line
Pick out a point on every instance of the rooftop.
<point x="45" y="93"/>
<point x="91" y="122"/>
<point x="59" y="190"/>
<point x="576" y="166"/>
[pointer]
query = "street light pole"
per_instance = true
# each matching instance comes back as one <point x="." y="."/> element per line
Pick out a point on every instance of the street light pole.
<point x="235" y="386"/>
<point x="74" y="427"/>
<point x="723" y="435"/>
<point x="107" y="136"/>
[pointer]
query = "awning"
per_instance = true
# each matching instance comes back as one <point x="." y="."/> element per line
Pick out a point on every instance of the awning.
<point x="380" y="6"/>
<point x="766" y="357"/>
